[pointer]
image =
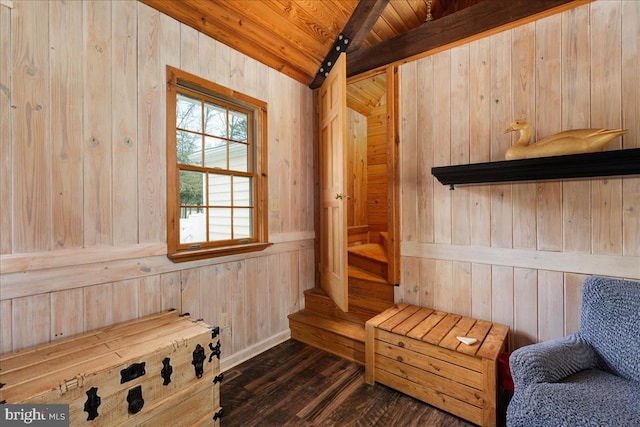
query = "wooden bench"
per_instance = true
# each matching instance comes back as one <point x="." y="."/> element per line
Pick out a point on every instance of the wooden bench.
<point x="415" y="350"/>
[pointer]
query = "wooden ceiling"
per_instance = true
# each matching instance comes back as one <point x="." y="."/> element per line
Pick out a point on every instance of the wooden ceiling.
<point x="296" y="36"/>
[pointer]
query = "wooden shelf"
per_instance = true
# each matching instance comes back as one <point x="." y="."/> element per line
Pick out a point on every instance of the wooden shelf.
<point x="589" y="165"/>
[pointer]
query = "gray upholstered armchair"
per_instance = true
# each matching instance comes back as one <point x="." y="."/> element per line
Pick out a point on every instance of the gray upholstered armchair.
<point x="589" y="378"/>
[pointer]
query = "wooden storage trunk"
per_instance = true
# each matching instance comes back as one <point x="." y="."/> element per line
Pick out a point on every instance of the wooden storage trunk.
<point x="415" y="350"/>
<point x="158" y="370"/>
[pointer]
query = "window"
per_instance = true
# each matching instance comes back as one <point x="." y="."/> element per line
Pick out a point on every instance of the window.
<point x="216" y="169"/>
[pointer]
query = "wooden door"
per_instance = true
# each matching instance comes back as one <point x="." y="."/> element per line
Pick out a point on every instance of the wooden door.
<point x="333" y="199"/>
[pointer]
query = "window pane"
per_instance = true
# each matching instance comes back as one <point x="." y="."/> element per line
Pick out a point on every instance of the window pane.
<point x="242" y="191"/>
<point x="215" y="155"/>
<point x="238" y="123"/>
<point x="188" y="113"/>
<point x="219" y="190"/>
<point x="215" y="120"/>
<point x="192" y="220"/>
<point x="219" y="224"/>
<point x="191" y="188"/>
<point x="238" y="157"/>
<point x="242" y="223"/>
<point x="189" y="148"/>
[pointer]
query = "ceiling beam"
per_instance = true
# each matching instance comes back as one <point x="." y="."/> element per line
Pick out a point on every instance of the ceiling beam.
<point x="362" y="21"/>
<point x="356" y="30"/>
<point x="471" y="21"/>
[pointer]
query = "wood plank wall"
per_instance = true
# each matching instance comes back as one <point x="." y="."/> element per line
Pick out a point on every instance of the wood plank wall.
<point x="517" y="253"/>
<point x="367" y="169"/>
<point x="377" y="182"/>
<point x="82" y="217"/>
<point x="356" y="184"/>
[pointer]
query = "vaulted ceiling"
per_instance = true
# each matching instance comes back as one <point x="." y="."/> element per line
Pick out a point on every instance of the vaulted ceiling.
<point x="298" y="37"/>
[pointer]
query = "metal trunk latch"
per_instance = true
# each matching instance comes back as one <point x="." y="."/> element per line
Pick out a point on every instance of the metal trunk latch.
<point x="167" y="370"/>
<point x="132" y="372"/>
<point x="198" y="360"/>
<point x="136" y="402"/>
<point x="92" y="403"/>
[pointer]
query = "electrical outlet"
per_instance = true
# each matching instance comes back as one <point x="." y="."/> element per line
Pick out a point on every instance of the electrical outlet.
<point x="224" y="320"/>
<point x="275" y="205"/>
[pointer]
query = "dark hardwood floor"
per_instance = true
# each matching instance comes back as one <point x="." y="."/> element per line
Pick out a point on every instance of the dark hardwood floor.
<point x="294" y="384"/>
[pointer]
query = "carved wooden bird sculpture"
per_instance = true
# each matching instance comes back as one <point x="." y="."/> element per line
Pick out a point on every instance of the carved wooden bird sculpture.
<point x="568" y="142"/>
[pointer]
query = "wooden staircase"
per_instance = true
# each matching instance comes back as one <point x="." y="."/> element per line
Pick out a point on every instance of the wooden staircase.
<point x="323" y="325"/>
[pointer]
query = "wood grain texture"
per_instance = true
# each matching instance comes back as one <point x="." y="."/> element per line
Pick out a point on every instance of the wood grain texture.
<point x="151" y="128"/>
<point x="31" y="194"/>
<point x="97" y="128"/>
<point x="530" y="245"/>
<point x="523" y="93"/>
<point x="630" y="110"/>
<point x="606" y="102"/>
<point x="124" y="126"/>
<point x="6" y="126"/>
<point x="299" y="385"/>
<point x="66" y="113"/>
<point x="109" y="263"/>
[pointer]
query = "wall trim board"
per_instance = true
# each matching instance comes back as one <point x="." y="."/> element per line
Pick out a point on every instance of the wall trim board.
<point x="81" y="256"/>
<point x="63" y="277"/>
<point x="239" y="357"/>
<point x="570" y="262"/>
<point x="292" y="237"/>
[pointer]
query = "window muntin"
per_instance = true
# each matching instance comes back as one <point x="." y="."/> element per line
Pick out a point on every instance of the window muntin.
<point x="213" y="141"/>
<point x="216" y="158"/>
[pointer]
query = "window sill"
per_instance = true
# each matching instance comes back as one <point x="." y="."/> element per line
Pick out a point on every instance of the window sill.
<point x="193" y="255"/>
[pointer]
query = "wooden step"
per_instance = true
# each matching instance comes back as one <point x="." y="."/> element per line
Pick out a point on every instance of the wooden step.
<point x="363" y="283"/>
<point x="383" y="239"/>
<point x="371" y="257"/>
<point x="317" y="301"/>
<point x="337" y="336"/>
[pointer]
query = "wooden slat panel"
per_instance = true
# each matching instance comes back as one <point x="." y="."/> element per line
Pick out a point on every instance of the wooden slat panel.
<point x="452" y="371"/>
<point x="460" y="142"/>
<point x="398" y="318"/>
<point x="430" y="350"/>
<point x="502" y="294"/>
<point x="6" y="344"/>
<point x="438" y="383"/>
<point x="125" y="135"/>
<point x="501" y="197"/>
<point x="481" y="291"/>
<point x="127" y="297"/>
<point x="493" y="343"/>
<point x="606" y="103"/>
<point x="454" y="406"/>
<point x="441" y="151"/>
<point x="31" y="197"/>
<point x="572" y="302"/>
<point x="525" y="297"/>
<point x="170" y="284"/>
<point x="412" y="321"/>
<point x="426" y="141"/>
<point x="437" y="334"/>
<point x="630" y="68"/>
<point x="576" y="202"/>
<point x="522" y="74"/>
<point x="31" y="321"/>
<point x="65" y="23"/>
<point x="6" y="132"/>
<point x="478" y="331"/>
<point x="480" y="137"/>
<point x="97" y="128"/>
<point x="67" y="317"/>
<point x="550" y="305"/>
<point x="151" y="129"/>
<point x="460" y="329"/>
